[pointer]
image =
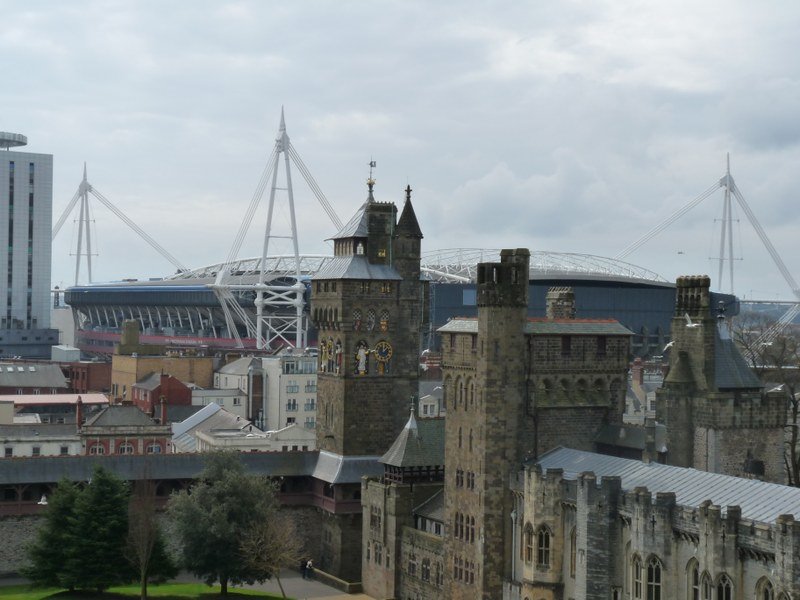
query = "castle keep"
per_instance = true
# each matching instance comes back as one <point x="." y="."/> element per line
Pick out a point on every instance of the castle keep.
<point x="508" y="498"/>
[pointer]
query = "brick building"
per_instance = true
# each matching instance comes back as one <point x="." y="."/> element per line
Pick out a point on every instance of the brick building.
<point x="148" y="393"/>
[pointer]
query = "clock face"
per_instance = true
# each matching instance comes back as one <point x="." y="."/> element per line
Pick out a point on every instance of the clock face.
<point x="383" y="351"/>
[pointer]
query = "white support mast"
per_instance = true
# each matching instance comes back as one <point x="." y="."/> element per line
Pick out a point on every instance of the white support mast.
<point x="276" y="280"/>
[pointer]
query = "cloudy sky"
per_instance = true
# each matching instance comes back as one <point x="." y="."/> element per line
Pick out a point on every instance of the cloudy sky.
<point x="561" y="126"/>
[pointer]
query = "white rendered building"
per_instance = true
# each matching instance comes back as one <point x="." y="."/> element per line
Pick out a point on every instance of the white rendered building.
<point x="26" y="208"/>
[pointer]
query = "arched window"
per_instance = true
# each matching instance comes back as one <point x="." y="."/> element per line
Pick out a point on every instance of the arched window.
<point x="543" y="547"/>
<point x="384" y="324"/>
<point x="654" y="579"/>
<point x="636" y="578"/>
<point x="154" y="448"/>
<point x="705" y="586"/>
<point x="527" y="549"/>
<point x="471" y="393"/>
<point x="126" y="448"/>
<point x="573" y="551"/>
<point x="97" y="449"/>
<point x="356" y="319"/>
<point x="461" y="393"/>
<point x="693" y="580"/>
<point x="459" y="437"/>
<point x="724" y="588"/>
<point x="426" y="569"/>
<point x="370" y="319"/>
<point x="765" y="590"/>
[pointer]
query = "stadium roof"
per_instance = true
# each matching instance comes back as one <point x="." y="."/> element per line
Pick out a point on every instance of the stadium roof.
<point x="453" y="264"/>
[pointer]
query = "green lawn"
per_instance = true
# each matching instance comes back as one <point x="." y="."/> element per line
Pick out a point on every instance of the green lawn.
<point x="168" y="591"/>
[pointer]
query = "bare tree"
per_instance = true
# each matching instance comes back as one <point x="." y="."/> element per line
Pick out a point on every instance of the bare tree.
<point x="271" y="546"/>
<point x="145" y="547"/>
<point x="777" y="364"/>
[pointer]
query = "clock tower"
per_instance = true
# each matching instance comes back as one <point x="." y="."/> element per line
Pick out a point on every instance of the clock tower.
<point x="367" y="307"/>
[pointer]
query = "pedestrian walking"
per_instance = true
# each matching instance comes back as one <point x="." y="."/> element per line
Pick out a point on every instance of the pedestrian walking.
<point x="310" y="569"/>
<point x="303" y="567"/>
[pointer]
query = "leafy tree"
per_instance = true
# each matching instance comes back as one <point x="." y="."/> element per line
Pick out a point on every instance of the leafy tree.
<point x="145" y="547"/>
<point x="100" y="526"/>
<point x="49" y="553"/>
<point x="212" y="518"/>
<point x="272" y="545"/>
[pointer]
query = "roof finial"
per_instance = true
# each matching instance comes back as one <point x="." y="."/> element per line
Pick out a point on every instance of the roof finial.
<point x="371" y="181"/>
<point x="408" y="193"/>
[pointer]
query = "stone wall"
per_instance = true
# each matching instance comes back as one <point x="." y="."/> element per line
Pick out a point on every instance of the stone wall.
<point x="16" y="533"/>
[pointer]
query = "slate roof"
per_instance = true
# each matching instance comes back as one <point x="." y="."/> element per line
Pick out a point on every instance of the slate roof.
<point x="40" y="430"/>
<point x="420" y="444"/>
<point x="334" y="468"/>
<point x="541" y="326"/>
<point x="759" y="500"/>
<point x="358" y="225"/>
<point x="432" y="508"/>
<point x="408" y="223"/>
<point x="355" y="267"/>
<point x="31" y="375"/>
<point x="120" y="415"/>
<point x="731" y="371"/>
<point x="181" y="412"/>
<point x="149" y="382"/>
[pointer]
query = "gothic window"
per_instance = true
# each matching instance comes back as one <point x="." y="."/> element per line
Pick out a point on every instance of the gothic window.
<point x="459" y="437"/>
<point x="543" y="547"/>
<point x="471" y="393"/>
<point x="439" y="574"/>
<point x="573" y="551"/>
<point x="461" y="392"/>
<point x="528" y="543"/>
<point x="654" y="579"/>
<point x="471" y="529"/>
<point x="694" y="581"/>
<point x="357" y="319"/>
<point x="378" y="553"/>
<point x="706" y="587"/>
<point x="412" y="565"/>
<point x="765" y="590"/>
<point x="636" y="578"/>
<point x="370" y="319"/>
<point x="470" y="440"/>
<point x="369" y="545"/>
<point x="724" y="588"/>
<point x="384" y="323"/>
<point x="426" y="569"/>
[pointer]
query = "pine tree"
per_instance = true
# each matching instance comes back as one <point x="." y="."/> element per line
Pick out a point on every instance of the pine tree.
<point x="49" y="553"/>
<point x="96" y="558"/>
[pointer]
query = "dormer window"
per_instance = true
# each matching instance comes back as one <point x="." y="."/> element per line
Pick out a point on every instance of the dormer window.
<point x="360" y="248"/>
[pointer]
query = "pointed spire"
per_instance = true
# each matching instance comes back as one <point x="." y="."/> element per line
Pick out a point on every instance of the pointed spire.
<point x="84" y="170"/>
<point x="408" y="224"/>
<point x="411" y="425"/>
<point x="283" y="121"/>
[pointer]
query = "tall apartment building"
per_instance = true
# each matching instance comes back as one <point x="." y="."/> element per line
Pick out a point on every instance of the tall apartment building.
<point x="26" y="205"/>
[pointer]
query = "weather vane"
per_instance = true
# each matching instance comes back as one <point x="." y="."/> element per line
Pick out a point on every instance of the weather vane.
<point x="372" y="165"/>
